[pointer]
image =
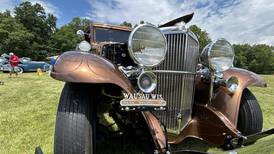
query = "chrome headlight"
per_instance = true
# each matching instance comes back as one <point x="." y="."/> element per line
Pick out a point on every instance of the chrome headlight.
<point x="147" y="45"/>
<point x="218" y="55"/>
<point x="84" y="46"/>
<point x="147" y="82"/>
<point x="232" y="84"/>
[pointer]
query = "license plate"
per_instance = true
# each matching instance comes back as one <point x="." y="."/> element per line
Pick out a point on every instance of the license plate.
<point x="143" y="102"/>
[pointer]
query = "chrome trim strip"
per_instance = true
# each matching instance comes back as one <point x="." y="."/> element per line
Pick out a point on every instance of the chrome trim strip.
<point x="177" y="72"/>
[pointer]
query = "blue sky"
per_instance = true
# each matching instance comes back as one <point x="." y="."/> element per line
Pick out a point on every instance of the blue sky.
<point x="65" y="10"/>
<point x="69" y="9"/>
<point x="239" y="21"/>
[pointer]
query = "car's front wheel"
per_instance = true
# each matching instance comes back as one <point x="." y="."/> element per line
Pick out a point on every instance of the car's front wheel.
<point x="250" y="119"/>
<point x="75" y="121"/>
<point x="19" y="70"/>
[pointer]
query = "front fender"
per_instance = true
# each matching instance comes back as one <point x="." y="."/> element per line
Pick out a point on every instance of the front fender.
<point x="82" y="67"/>
<point x="246" y="78"/>
<point x="229" y="104"/>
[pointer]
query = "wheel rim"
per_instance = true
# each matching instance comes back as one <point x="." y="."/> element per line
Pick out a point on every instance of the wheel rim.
<point x="19" y="70"/>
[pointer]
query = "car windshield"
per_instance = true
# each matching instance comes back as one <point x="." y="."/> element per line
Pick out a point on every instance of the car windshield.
<point x="25" y="59"/>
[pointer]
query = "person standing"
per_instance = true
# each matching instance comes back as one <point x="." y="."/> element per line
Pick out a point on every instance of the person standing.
<point x="52" y="62"/>
<point x="14" y="61"/>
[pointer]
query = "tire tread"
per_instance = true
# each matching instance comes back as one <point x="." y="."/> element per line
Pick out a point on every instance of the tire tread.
<point x="73" y="127"/>
<point x="250" y="118"/>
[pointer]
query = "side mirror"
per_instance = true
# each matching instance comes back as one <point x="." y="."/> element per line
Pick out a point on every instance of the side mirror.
<point x="80" y="33"/>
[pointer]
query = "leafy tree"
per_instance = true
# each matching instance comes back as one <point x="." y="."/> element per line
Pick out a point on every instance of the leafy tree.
<point x="264" y="56"/>
<point x="65" y="38"/>
<point x="202" y="35"/>
<point x="257" y="58"/>
<point x="241" y="52"/>
<point x="51" y="22"/>
<point x="35" y="20"/>
<point x="14" y="37"/>
<point x="127" y="24"/>
<point x="78" y="23"/>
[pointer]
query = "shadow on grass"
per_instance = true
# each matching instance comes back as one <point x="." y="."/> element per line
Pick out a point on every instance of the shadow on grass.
<point x="118" y="147"/>
<point x="191" y="144"/>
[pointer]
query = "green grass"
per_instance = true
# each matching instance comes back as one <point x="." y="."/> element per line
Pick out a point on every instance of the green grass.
<point x="265" y="96"/>
<point x="28" y="109"/>
<point x="27" y="113"/>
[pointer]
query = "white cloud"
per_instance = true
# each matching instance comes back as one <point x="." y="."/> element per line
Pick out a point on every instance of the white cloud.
<point x="49" y="8"/>
<point x="237" y="20"/>
<point x="6" y="5"/>
<point x="117" y="11"/>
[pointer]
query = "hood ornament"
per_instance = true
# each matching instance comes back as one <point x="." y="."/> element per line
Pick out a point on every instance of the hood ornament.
<point x="181" y="21"/>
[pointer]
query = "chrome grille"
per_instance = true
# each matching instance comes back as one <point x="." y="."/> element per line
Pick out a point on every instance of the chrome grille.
<point x="177" y="88"/>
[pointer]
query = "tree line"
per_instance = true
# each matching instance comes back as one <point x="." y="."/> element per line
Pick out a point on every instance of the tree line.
<point x="30" y="32"/>
<point x="258" y="58"/>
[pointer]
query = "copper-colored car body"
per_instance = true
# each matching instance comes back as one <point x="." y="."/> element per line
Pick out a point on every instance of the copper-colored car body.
<point x="211" y="121"/>
<point x="214" y="121"/>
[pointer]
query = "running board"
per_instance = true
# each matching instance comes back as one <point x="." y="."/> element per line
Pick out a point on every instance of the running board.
<point x="254" y="137"/>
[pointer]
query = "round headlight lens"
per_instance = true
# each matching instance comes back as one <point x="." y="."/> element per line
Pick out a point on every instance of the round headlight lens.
<point x="147" y="82"/>
<point x="147" y="45"/>
<point x="218" y="55"/>
<point x="232" y="84"/>
<point x="84" y="46"/>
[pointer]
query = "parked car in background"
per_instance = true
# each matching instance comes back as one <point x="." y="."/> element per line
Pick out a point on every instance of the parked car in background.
<point x="3" y="61"/>
<point x="25" y="59"/>
<point x="25" y="65"/>
<point x="4" y="55"/>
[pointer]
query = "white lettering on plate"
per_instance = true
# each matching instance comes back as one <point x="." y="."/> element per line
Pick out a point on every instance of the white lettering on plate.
<point x="142" y="96"/>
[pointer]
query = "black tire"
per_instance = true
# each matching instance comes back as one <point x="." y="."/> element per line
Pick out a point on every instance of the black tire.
<point x="75" y="121"/>
<point x="250" y="119"/>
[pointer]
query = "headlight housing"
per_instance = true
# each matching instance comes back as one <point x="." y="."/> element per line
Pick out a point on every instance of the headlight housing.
<point x="218" y="55"/>
<point x="147" y="82"/>
<point x="232" y="84"/>
<point x="84" y="46"/>
<point x="147" y="45"/>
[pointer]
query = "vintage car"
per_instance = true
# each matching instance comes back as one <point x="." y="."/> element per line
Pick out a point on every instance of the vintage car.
<point x="26" y="65"/>
<point x="3" y="59"/>
<point x="151" y="87"/>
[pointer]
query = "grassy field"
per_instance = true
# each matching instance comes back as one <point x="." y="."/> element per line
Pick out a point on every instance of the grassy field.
<point x="28" y="108"/>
